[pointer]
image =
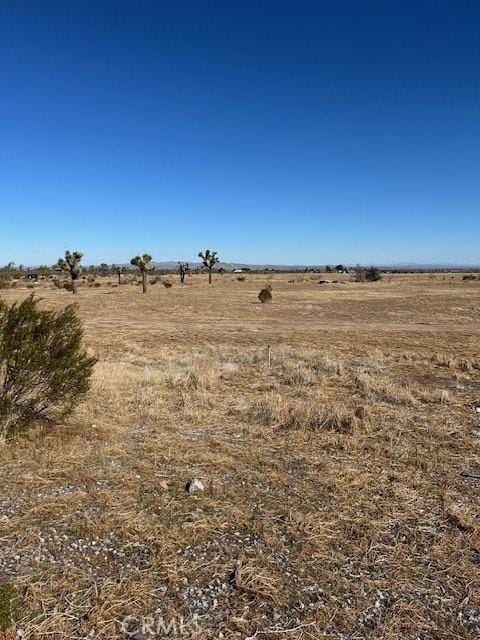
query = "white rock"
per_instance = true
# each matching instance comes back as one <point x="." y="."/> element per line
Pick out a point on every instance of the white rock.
<point x="194" y="485"/>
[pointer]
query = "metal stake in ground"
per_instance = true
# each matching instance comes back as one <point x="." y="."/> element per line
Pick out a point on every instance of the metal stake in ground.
<point x="269" y="356"/>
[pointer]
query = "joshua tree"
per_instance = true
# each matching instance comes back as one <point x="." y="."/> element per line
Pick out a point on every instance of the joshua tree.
<point x="209" y="259"/>
<point x="71" y="264"/>
<point x="143" y="263"/>
<point x="119" y="271"/>
<point x="183" y="270"/>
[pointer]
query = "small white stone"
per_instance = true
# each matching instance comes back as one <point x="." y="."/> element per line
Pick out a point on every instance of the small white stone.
<point x="194" y="485"/>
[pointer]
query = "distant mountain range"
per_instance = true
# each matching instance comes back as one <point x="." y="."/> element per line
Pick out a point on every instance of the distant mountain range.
<point x="171" y="265"/>
<point x="231" y="266"/>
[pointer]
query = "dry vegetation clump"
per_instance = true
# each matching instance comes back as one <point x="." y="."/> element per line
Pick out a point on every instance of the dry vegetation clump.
<point x="265" y="294"/>
<point x="328" y="366"/>
<point x="196" y="376"/>
<point x="258" y="582"/>
<point x="297" y="374"/>
<point x="313" y="414"/>
<point x="462" y="511"/>
<point x="305" y="365"/>
<point x="380" y="388"/>
<point x="467" y="364"/>
<point x="5" y="283"/>
<point x="444" y="360"/>
<point x="434" y="396"/>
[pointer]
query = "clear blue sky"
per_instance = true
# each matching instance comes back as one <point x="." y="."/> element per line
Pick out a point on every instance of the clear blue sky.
<point x="290" y="132"/>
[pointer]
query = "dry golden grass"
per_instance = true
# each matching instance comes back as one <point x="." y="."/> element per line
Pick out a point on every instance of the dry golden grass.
<point x="334" y="504"/>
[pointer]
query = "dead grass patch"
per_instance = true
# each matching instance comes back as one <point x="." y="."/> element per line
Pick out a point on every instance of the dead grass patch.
<point x="312" y="414"/>
<point x="258" y="582"/>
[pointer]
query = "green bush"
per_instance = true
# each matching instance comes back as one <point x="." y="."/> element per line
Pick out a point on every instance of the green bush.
<point x="44" y="370"/>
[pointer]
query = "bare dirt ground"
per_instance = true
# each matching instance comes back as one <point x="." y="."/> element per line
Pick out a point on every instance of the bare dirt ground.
<point x="334" y="504"/>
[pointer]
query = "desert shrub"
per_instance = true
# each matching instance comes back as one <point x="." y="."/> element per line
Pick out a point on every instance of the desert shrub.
<point x="359" y="274"/>
<point x="44" y="370"/>
<point x="241" y="278"/>
<point x="97" y="284"/>
<point x="372" y="274"/>
<point x="167" y="284"/>
<point x="469" y="276"/>
<point x="5" y="283"/>
<point x="62" y="284"/>
<point x="265" y="294"/>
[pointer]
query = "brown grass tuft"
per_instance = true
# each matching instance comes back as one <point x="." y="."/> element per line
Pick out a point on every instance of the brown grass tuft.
<point x="273" y="409"/>
<point x="257" y="581"/>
